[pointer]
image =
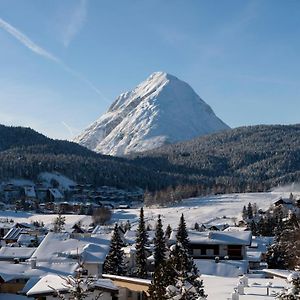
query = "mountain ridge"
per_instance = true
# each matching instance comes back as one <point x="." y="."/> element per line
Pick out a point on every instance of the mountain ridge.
<point x="161" y="110"/>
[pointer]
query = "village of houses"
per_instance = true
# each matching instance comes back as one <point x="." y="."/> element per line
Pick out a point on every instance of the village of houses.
<point x="36" y="262"/>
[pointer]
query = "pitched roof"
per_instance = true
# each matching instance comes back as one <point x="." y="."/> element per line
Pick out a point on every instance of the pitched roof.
<point x="50" y="283"/>
<point x="217" y="237"/>
<point x="14" y="233"/>
<point x="9" y="271"/>
<point x="60" y="247"/>
<point x="16" y="252"/>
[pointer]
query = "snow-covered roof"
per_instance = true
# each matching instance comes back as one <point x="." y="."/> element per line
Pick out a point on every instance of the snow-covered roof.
<point x="26" y="239"/>
<point x="130" y="236"/>
<point x="14" y="233"/>
<point x="278" y="272"/>
<point x="93" y="253"/>
<point x="50" y="283"/>
<point x="59" y="247"/>
<point x="254" y="256"/>
<point x="226" y="268"/>
<point x="127" y="279"/>
<point x="16" y="252"/>
<point x="235" y="228"/>
<point x="29" y="284"/>
<point x="260" y="243"/>
<point x="6" y="225"/>
<point x="9" y="271"/>
<point x="217" y="237"/>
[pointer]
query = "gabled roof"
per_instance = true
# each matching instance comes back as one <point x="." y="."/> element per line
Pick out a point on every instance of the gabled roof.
<point x="50" y="283"/>
<point x="60" y="247"/>
<point x="9" y="271"/>
<point x="217" y="237"/>
<point x="16" y="252"/>
<point x="14" y="233"/>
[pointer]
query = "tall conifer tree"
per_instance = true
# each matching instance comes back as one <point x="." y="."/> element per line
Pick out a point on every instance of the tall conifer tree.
<point x="182" y="235"/>
<point x="159" y="244"/>
<point x="114" y="263"/>
<point x="141" y="245"/>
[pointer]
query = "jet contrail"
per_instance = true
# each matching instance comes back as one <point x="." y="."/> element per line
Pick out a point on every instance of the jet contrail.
<point x="68" y="128"/>
<point x="27" y="42"/>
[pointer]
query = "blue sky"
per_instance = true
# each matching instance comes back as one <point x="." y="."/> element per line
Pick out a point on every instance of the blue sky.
<point x="64" y="62"/>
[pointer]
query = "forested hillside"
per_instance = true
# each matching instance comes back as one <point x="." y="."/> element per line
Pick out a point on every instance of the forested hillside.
<point x="25" y="153"/>
<point x="253" y="158"/>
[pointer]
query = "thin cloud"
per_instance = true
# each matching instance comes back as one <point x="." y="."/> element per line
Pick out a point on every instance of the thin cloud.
<point x="75" y="22"/>
<point x="27" y="42"/>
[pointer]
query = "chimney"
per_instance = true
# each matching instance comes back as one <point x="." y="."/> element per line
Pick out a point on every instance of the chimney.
<point x="33" y="263"/>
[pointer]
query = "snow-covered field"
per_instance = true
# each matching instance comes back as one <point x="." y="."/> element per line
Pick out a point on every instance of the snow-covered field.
<point x="210" y="209"/>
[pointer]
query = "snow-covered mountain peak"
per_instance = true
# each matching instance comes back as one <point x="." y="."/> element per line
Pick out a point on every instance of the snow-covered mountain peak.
<point x="160" y="110"/>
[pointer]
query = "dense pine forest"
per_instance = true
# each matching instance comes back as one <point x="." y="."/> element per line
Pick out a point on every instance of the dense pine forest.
<point x="254" y="158"/>
<point x="25" y="153"/>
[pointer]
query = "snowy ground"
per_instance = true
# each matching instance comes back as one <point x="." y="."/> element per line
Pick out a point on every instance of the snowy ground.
<point x="210" y="209"/>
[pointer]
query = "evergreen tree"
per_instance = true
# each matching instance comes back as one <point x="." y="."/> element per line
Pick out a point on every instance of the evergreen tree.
<point x="253" y="228"/>
<point x="197" y="227"/>
<point x="163" y="276"/>
<point x="276" y="256"/>
<point x="127" y="226"/>
<point x="188" y="283"/>
<point x="182" y="235"/>
<point x="244" y="213"/>
<point x="59" y="223"/>
<point x="292" y="293"/>
<point x="168" y="231"/>
<point x="114" y="263"/>
<point x="254" y="209"/>
<point x="159" y="244"/>
<point x="249" y="211"/>
<point x="141" y="245"/>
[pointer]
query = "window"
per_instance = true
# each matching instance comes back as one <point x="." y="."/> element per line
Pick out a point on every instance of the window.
<point x="234" y="251"/>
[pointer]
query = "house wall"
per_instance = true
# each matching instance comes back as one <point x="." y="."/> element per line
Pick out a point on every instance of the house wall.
<point x="11" y="288"/>
<point x="93" y="268"/>
<point x="211" y="251"/>
<point x="127" y="294"/>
